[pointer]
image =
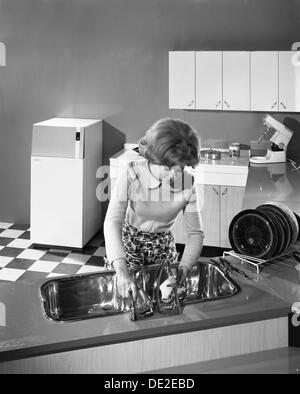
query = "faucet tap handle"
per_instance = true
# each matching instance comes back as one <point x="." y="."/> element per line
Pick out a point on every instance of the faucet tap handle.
<point x="132" y="307"/>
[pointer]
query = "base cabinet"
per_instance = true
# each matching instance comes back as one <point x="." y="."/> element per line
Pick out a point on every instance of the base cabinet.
<point x="231" y="203"/>
<point x="209" y="205"/>
<point x="218" y="205"/>
<point x="153" y="354"/>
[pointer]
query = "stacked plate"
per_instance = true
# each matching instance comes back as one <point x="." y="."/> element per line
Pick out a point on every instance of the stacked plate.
<point x="264" y="232"/>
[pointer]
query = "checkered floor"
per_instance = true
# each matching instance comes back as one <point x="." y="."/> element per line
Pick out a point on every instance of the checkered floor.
<point x="20" y="261"/>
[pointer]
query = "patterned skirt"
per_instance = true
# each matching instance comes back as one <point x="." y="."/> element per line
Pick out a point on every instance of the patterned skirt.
<point x="143" y="248"/>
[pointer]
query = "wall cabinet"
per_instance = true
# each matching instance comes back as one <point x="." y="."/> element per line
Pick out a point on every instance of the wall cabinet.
<point x="236" y="81"/>
<point x="275" y="81"/>
<point x="264" y="81"/>
<point x="182" y="79"/>
<point x="289" y="81"/>
<point x="218" y="205"/>
<point x="209" y="80"/>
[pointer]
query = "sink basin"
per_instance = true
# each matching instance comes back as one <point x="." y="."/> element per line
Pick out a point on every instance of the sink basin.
<point x="93" y="295"/>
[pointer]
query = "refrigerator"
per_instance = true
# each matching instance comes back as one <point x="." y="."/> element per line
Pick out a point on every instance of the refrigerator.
<point x="65" y="156"/>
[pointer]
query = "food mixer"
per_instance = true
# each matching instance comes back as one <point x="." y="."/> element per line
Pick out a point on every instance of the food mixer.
<point x="279" y="135"/>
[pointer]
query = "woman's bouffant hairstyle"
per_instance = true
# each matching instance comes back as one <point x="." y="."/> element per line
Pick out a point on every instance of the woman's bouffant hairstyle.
<point x="171" y="142"/>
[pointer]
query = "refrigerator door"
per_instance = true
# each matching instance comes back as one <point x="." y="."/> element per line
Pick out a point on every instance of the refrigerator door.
<point x="56" y="201"/>
<point x="58" y="141"/>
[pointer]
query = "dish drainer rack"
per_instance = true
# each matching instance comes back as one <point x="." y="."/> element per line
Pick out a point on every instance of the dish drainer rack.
<point x="256" y="263"/>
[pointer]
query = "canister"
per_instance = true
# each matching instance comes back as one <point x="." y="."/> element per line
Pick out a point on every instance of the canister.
<point x="234" y="149"/>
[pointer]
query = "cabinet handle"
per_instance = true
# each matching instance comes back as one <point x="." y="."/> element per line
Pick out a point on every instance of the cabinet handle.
<point x="216" y="191"/>
<point x="274" y="105"/>
<point x="191" y="103"/>
<point x="281" y="103"/>
<point x="225" y="192"/>
<point x="218" y="103"/>
<point x="227" y="105"/>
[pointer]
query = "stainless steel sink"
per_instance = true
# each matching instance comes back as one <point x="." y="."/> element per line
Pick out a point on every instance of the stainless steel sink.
<point x="93" y="295"/>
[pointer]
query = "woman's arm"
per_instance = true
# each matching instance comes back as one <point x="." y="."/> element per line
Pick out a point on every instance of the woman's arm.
<point x="114" y="218"/>
<point x="113" y="223"/>
<point x="194" y="232"/>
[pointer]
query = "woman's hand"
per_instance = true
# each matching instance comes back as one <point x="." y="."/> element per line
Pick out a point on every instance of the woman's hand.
<point x="182" y="274"/>
<point x="181" y="281"/>
<point x="125" y="282"/>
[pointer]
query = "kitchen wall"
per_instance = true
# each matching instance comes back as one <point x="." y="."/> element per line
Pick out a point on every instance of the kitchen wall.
<point x="109" y="59"/>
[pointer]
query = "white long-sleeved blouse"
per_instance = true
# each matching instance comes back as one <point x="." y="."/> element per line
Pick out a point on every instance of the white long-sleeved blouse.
<point x="152" y="205"/>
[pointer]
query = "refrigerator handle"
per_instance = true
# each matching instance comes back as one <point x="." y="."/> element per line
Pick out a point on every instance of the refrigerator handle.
<point x="79" y="142"/>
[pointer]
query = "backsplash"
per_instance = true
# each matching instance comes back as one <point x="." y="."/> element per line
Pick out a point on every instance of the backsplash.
<point x="109" y="60"/>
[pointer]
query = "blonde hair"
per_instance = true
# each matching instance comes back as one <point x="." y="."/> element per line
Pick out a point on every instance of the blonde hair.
<point x="171" y="142"/>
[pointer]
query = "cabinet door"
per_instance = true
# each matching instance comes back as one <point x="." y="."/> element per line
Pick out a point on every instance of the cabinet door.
<point x="231" y="203"/>
<point x="289" y="81"/>
<point x="182" y="80"/>
<point x="264" y="81"/>
<point x="210" y="213"/>
<point x="236" y="81"/>
<point x="209" y="80"/>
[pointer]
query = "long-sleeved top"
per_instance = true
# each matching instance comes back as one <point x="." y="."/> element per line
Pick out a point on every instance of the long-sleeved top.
<point x="152" y="205"/>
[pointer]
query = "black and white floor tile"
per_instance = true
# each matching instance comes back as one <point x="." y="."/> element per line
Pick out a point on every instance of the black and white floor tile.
<point x="20" y="261"/>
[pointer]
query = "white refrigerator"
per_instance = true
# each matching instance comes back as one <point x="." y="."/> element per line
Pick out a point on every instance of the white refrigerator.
<point x="66" y="154"/>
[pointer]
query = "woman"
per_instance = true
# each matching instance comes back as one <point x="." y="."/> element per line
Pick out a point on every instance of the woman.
<point x="147" y="197"/>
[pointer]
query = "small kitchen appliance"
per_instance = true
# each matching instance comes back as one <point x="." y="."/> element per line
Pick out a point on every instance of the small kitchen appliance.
<point x="66" y="154"/>
<point x="279" y="136"/>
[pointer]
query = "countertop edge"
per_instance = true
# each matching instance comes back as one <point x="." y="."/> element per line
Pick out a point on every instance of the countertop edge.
<point x="86" y="343"/>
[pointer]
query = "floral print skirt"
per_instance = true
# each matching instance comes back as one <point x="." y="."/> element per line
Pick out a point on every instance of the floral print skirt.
<point x="143" y="248"/>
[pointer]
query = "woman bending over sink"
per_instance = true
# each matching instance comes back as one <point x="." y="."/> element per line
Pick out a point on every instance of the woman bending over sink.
<point x="146" y="200"/>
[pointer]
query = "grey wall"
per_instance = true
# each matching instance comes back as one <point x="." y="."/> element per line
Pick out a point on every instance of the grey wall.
<point x="109" y="59"/>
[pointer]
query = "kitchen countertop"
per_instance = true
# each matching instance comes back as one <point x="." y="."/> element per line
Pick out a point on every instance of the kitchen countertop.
<point x="224" y="171"/>
<point x="29" y="333"/>
<point x="272" y="182"/>
<point x="235" y="164"/>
